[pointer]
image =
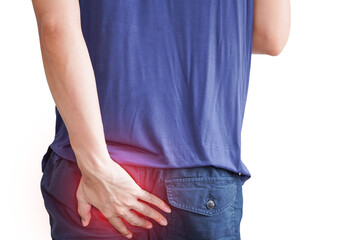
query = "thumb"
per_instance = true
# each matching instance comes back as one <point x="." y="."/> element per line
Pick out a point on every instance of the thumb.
<point x="83" y="209"/>
<point x="84" y="212"/>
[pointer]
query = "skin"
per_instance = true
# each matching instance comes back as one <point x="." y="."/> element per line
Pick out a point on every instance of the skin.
<point x="104" y="183"/>
<point x="271" y="26"/>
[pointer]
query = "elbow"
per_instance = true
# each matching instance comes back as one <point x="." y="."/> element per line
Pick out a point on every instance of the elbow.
<point x="55" y="35"/>
<point x="275" y="47"/>
<point x="51" y="33"/>
<point x="269" y="44"/>
<point x="50" y="27"/>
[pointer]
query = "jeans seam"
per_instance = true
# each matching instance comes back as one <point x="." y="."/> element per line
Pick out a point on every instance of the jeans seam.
<point x="233" y="219"/>
<point x="170" y="220"/>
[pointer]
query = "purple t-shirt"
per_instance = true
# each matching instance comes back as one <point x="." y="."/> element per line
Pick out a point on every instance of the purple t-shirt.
<point x="172" y="80"/>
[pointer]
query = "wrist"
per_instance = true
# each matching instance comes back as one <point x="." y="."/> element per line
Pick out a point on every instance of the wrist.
<point x="91" y="160"/>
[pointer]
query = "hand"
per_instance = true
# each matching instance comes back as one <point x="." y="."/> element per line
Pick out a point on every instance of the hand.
<point x="113" y="191"/>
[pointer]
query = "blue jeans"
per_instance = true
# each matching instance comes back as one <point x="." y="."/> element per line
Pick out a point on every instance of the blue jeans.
<point x="206" y="202"/>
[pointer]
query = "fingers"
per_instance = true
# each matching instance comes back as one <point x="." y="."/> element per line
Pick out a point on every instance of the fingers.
<point x="84" y="212"/>
<point x="136" y="220"/>
<point x="150" y="212"/>
<point x="83" y="208"/>
<point x="123" y="211"/>
<point x="120" y="226"/>
<point x="148" y="197"/>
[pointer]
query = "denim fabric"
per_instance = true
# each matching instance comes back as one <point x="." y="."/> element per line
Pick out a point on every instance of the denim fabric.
<point x="206" y="202"/>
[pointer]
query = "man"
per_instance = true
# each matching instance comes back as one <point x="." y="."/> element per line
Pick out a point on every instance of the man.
<point x="150" y="97"/>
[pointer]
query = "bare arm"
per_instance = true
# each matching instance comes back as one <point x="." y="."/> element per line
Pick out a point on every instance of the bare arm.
<point x="104" y="183"/>
<point x="271" y="26"/>
<point x="71" y="79"/>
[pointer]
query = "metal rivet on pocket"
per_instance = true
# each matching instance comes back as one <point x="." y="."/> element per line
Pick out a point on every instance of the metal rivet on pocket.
<point x="210" y="204"/>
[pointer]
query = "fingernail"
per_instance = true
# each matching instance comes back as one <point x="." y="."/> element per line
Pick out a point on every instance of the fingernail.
<point x="163" y="222"/>
<point x="83" y="222"/>
<point x="129" y="235"/>
<point x="168" y="210"/>
<point x="148" y="225"/>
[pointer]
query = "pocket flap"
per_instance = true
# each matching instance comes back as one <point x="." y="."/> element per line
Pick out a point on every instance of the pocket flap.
<point x="202" y="195"/>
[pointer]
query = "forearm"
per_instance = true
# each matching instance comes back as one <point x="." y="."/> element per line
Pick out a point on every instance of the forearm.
<point x="271" y="26"/>
<point x="72" y="84"/>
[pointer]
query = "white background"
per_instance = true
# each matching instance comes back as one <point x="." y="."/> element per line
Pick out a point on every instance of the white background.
<point x="301" y="133"/>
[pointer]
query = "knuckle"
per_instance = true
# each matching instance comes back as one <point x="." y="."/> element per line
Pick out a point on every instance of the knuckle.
<point x="145" y="195"/>
<point x="136" y="189"/>
<point x="163" y="204"/>
<point x="145" y="223"/>
<point x="152" y="198"/>
<point x="157" y="201"/>
<point x="121" y="229"/>
<point x="109" y="214"/>
<point x="139" y="193"/>
<point x="148" y="212"/>
<point x="129" y="202"/>
<point x="118" y="225"/>
<point x="140" y="223"/>
<point x="133" y="221"/>
<point x="120" y="210"/>
<point x="162" y="221"/>
<point x="126" y="233"/>
<point x="159" y="218"/>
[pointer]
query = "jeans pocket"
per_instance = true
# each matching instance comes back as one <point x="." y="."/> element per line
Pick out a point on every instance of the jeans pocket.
<point x="203" y="207"/>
